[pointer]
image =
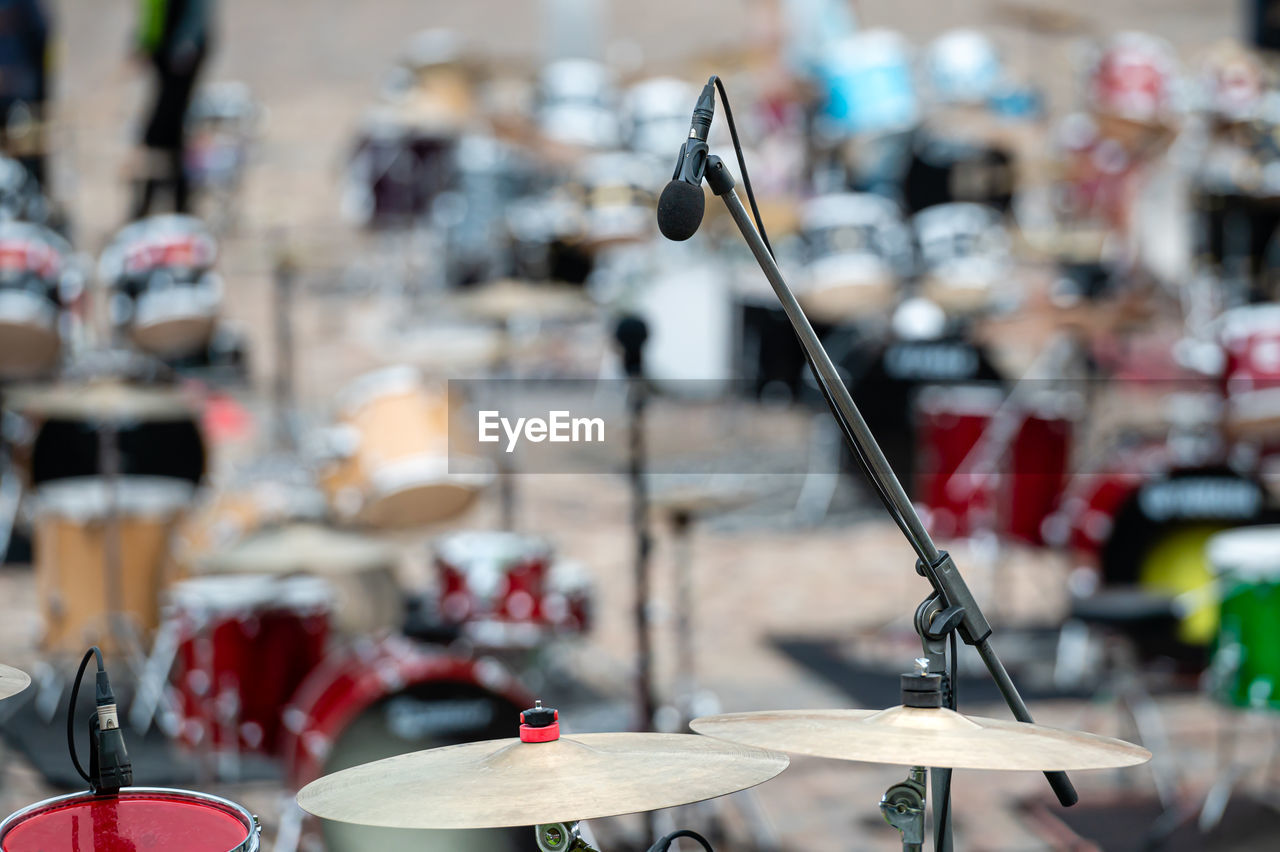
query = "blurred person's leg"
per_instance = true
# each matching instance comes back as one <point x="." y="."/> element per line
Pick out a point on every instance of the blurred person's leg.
<point x="164" y="138"/>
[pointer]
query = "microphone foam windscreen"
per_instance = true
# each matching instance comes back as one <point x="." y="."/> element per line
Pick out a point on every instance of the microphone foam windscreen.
<point x="680" y="209"/>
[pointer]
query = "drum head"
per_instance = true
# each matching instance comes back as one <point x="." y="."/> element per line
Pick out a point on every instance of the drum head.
<point x="422" y="716"/>
<point x="138" y="820"/>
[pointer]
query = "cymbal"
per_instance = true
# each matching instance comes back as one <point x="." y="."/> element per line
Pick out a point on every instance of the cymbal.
<point x="501" y="300"/>
<point x="297" y="548"/>
<point x="12" y="681"/>
<point x="696" y="501"/>
<point x="910" y="736"/>
<point x="101" y="400"/>
<point x="499" y="783"/>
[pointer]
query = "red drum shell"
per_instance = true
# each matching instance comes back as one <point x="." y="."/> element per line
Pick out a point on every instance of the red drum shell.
<point x="347" y="685"/>
<point x="137" y="820"/>
<point x="240" y="661"/>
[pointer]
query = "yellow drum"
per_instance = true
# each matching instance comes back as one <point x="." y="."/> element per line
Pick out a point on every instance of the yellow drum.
<point x="389" y="461"/>
<point x="95" y="587"/>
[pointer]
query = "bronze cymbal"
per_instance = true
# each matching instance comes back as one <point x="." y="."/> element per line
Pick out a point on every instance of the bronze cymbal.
<point x="911" y="736"/>
<point x="499" y="301"/>
<point x="301" y="548"/>
<point x="499" y="783"/>
<point x="102" y="400"/>
<point x="12" y="681"/>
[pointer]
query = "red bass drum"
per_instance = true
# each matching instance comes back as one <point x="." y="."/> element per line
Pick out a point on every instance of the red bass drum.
<point x="390" y="697"/>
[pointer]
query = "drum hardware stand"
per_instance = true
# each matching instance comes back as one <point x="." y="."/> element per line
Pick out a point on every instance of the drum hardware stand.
<point x="631" y="334"/>
<point x="119" y="626"/>
<point x="764" y="837"/>
<point x="561" y="837"/>
<point x="957" y="608"/>
<point x="903" y="808"/>
<point x="283" y="391"/>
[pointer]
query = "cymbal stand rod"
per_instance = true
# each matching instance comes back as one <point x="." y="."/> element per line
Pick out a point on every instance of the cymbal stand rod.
<point x="933" y="564"/>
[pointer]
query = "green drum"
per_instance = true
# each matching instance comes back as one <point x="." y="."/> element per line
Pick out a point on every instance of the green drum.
<point x="1246" y="662"/>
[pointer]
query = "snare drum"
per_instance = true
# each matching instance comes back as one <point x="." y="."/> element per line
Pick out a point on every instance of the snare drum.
<point x="137" y="819"/>
<point x="1245" y="671"/>
<point x="164" y="294"/>
<point x="37" y="278"/>
<point x="391" y="697"/>
<point x="78" y="594"/>
<point x="390" y="454"/>
<point x="245" y="643"/>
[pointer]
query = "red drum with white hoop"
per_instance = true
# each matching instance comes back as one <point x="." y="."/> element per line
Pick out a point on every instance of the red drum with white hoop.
<point x="138" y="819"/>
<point x="245" y="643"/>
<point x="506" y="590"/>
<point x="977" y="472"/>
<point x="1251" y="337"/>
<point x="380" y="699"/>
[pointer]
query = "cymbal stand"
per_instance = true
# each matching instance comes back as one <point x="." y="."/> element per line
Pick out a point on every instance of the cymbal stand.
<point x="954" y="606"/>
<point x="903" y="808"/>
<point x="119" y="626"/>
<point x="561" y="837"/>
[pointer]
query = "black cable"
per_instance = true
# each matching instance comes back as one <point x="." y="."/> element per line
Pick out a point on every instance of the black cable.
<point x="71" y="707"/>
<point x="827" y="395"/>
<point x="742" y="161"/>
<point x="665" y="843"/>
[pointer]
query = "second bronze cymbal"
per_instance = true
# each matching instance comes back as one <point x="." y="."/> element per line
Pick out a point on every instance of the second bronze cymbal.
<point x="911" y="736"/>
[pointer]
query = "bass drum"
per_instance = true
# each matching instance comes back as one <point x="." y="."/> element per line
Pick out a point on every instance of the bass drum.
<point x="1158" y="538"/>
<point x="384" y="698"/>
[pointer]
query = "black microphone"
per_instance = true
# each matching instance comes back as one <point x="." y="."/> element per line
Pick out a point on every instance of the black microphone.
<point x="681" y="205"/>
<point x="109" y="765"/>
<point x="631" y="333"/>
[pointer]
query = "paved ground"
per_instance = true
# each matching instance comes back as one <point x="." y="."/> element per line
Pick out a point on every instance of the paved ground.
<point x="315" y="63"/>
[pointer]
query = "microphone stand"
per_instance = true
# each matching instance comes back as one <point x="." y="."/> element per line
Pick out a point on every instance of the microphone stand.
<point x="951" y="606"/>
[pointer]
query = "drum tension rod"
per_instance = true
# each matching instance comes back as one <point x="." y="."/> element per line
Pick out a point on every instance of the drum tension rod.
<point x="903" y="808"/>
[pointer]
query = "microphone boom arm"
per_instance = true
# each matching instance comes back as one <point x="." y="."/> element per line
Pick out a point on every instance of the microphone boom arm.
<point x="934" y="564"/>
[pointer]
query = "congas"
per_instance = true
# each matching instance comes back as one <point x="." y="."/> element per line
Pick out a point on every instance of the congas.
<point x="360" y="570"/>
<point x="857" y="248"/>
<point x="157" y="431"/>
<point x="137" y="819"/>
<point x="1245" y="671"/>
<point x="391" y="697"/>
<point x="506" y="589"/>
<point x="245" y="643"/>
<point x="164" y="293"/>
<point x="1250" y="336"/>
<point x="86" y="590"/>
<point x="37" y="279"/>
<point x="390" y="465"/>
